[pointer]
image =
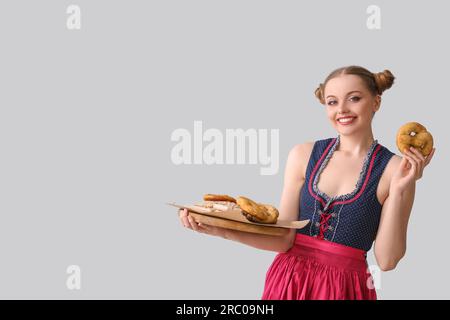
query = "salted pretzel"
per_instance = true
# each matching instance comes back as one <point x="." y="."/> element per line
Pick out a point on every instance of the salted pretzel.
<point x="218" y="197"/>
<point x="256" y="212"/>
<point x="416" y="135"/>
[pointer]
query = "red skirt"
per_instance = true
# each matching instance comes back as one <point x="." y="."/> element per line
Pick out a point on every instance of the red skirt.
<point x="315" y="269"/>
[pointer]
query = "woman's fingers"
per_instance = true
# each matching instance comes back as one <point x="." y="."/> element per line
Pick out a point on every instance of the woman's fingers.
<point x="182" y="213"/>
<point x="204" y="228"/>
<point x="406" y="163"/>
<point x="184" y="218"/>
<point x="188" y="221"/>
<point x="193" y="224"/>
<point x="426" y="160"/>
<point x="412" y="162"/>
<point x="416" y="155"/>
<point x="419" y="163"/>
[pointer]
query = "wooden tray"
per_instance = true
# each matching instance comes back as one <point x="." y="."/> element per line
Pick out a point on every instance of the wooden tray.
<point x="233" y="219"/>
<point x="241" y="226"/>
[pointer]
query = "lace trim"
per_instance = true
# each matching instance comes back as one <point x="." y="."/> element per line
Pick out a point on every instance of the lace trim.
<point x="360" y="179"/>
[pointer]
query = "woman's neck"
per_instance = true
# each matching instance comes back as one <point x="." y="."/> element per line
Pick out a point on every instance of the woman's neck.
<point x="355" y="145"/>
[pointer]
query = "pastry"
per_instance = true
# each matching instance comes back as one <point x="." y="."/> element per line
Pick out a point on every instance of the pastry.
<point x="218" y="197"/>
<point x="416" y="135"/>
<point x="256" y="212"/>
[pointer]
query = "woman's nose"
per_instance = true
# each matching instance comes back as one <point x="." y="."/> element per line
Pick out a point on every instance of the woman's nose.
<point x="342" y="107"/>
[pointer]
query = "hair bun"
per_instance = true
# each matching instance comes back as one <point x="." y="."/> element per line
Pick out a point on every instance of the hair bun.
<point x="319" y="93"/>
<point x="384" y="80"/>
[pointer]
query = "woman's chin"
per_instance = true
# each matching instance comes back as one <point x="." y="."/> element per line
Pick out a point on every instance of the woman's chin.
<point x="347" y="131"/>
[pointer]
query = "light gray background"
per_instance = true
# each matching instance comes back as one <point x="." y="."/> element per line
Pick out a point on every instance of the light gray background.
<point x="86" y="118"/>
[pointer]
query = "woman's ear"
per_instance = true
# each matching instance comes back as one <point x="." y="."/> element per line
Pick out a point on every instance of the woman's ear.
<point x="377" y="103"/>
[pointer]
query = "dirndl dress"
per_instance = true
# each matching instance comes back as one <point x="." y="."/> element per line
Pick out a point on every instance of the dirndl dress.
<point x="328" y="258"/>
<point x="314" y="269"/>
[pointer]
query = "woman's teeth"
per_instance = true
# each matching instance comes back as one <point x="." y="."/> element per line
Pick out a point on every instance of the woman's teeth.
<point x="346" y="120"/>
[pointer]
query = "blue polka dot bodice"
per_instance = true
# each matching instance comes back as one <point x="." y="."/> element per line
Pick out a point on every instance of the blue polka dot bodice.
<point x="351" y="219"/>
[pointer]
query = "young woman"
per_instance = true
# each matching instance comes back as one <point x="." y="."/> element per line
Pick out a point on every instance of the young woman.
<point x="354" y="190"/>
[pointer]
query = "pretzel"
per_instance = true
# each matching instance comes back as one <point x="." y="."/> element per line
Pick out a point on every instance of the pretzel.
<point x="416" y="135"/>
<point x="218" y="205"/>
<point x="261" y="213"/>
<point x="218" y="197"/>
<point x="273" y="213"/>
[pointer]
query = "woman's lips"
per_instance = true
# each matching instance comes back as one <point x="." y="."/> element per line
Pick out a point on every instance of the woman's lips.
<point x="346" y="122"/>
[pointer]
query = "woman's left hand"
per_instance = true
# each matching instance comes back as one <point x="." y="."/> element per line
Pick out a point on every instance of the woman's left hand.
<point x="410" y="169"/>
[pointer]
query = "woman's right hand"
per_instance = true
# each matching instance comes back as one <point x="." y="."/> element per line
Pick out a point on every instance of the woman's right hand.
<point x="188" y="221"/>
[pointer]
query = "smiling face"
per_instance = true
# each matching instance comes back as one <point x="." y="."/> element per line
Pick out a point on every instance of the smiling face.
<point x="347" y="96"/>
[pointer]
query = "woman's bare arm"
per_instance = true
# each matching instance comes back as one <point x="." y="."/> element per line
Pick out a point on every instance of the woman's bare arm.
<point x="390" y="242"/>
<point x="289" y="205"/>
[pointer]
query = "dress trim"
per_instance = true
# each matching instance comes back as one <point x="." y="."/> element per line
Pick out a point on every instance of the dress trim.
<point x="363" y="179"/>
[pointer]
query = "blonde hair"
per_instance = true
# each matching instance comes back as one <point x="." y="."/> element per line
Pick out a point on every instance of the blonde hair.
<point x="376" y="83"/>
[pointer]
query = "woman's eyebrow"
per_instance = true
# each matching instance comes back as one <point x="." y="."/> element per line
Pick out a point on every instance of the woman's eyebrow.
<point x="346" y="94"/>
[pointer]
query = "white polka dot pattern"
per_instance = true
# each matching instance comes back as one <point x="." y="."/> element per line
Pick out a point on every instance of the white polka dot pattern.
<point x="351" y="219"/>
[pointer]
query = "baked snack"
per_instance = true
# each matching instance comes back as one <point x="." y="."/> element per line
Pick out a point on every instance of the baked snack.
<point x="249" y="207"/>
<point x="416" y="135"/>
<point x="255" y="212"/>
<point x="273" y="212"/>
<point x="218" y="202"/>
<point x="218" y="197"/>
<point x="218" y="205"/>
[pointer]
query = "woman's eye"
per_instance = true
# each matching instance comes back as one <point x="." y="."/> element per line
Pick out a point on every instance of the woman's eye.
<point x="355" y="98"/>
<point x="331" y="102"/>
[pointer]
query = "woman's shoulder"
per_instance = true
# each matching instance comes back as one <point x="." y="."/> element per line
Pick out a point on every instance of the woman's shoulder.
<point x="309" y="145"/>
<point x="392" y="164"/>
<point x="302" y="151"/>
<point x="299" y="156"/>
